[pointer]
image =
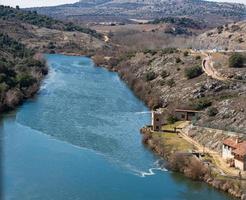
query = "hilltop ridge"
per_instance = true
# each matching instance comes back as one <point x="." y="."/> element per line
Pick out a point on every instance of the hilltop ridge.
<point x="124" y="10"/>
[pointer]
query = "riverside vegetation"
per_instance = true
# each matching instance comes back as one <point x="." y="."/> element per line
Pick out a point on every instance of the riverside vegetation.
<point x="24" y="36"/>
<point x="20" y="72"/>
<point x="176" y="151"/>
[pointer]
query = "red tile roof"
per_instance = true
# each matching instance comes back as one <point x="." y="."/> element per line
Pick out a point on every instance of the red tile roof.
<point x="239" y="148"/>
<point x="231" y="143"/>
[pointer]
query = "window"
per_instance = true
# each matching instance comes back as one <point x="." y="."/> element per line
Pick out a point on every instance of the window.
<point x="157" y="127"/>
<point x="183" y="116"/>
<point x="157" y="119"/>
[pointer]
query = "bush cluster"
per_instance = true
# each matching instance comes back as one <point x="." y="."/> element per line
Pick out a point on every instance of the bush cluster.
<point x="17" y="69"/>
<point x="212" y="111"/>
<point x="32" y="17"/>
<point x="201" y="104"/>
<point x="193" y="72"/>
<point x="236" y="60"/>
<point x="149" y="76"/>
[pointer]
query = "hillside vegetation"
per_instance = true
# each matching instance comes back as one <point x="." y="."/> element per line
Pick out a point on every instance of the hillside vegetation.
<point x="20" y="72"/>
<point x="124" y="10"/>
<point x="31" y="17"/>
<point x="173" y="78"/>
<point x="23" y="36"/>
<point x="46" y="34"/>
<point x="228" y="36"/>
<point x="181" y="22"/>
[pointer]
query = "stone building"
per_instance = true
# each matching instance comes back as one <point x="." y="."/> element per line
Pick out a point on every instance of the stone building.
<point x="235" y="150"/>
<point x="157" y="120"/>
<point x="186" y="115"/>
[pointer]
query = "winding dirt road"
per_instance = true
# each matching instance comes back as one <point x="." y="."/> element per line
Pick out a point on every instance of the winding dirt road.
<point x="208" y="68"/>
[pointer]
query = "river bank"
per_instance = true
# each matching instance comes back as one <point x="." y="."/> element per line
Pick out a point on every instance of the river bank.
<point x="177" y="152"/>
<point x="82" y="136"/>
<point x="22" y="81"/>
<point x="189" y="166"/>
<point x="200" y="176"/>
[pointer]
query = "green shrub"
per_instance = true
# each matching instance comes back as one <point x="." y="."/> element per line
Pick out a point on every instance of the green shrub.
<point x="178" y="60"/>
<point x="149" y="76"/>
<point x="169" y="50"/>
<point x="171" y="119"/>
<point x="186" y="53"/>
<point x="164" y="74"/>
<point x="212" y="111"/>
<point x="236" y="60"/>
<point x="193" y="72"/>
<point x="25" y="80"/>
<point x="220" y="29"/>
<point x="201" y="104"/>
<point x="150" y="51"/>
<point x="198" y="57"/>
<point x="170" y="82"/>
<point x="3" y="87"/>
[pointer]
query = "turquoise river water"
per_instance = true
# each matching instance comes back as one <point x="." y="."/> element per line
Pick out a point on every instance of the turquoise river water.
<point x="79" y="140"/>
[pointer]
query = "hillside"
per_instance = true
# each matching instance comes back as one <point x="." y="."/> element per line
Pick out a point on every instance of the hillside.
<point x="173" y="78"/>
<point x="23" y="36"/>
<point x="51" y="40"/>
<point x="230" y="36"/>
<point x="20" y="72"/>
<point x="29" y="17"/>
<point x="124" y="10"/>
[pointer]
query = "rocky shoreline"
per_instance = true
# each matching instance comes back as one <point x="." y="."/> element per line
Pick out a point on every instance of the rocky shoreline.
<point x="192" y="167"/>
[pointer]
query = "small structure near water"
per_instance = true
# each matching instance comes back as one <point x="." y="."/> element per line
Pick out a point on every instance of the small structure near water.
<point x="234" y="151"/>
<point x="157" y="120"/>
<point x="159" y="117"/>
<point x="186" y="115"/>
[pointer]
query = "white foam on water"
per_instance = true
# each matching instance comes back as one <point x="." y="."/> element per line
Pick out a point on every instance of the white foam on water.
<point x="150" y="172"/>
<point x="49" y="79"/>
<point x="143" y="112"/>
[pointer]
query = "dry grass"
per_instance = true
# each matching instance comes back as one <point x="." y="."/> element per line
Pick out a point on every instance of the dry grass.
<point x="172" y="142"/>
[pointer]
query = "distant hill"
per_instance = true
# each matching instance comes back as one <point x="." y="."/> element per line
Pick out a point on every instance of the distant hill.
<point x="32" y="17"/>
<point x="212" y="13"/>
<point x="230" y="36"/>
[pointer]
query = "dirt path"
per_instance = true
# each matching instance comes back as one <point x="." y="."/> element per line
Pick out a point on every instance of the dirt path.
<point x="219" y="162"/>
<point x="106" y="38"/>
<point x="208" y="68"/>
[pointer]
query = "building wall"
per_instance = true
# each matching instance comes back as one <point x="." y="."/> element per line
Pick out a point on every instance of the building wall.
<point x="181" y="115"/>
<point x="227" y="152"/>
<point x="240" y="164"/>
<point x="185" y="116"/>
<point x="157" y="121"/>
